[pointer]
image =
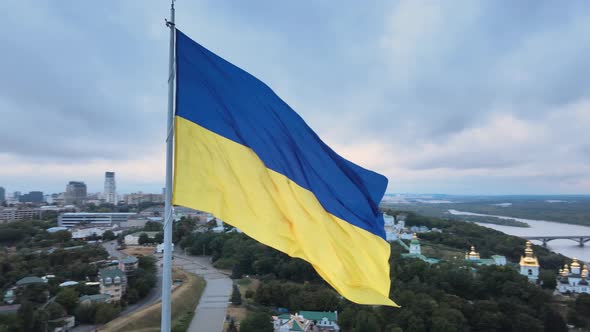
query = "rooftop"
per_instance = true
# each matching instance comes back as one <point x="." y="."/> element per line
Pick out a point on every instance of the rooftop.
<point x="30" y="281"/>
<point x="129" y="260"/>
<point x="318" y="315"/>
<point x="111" y="273"/>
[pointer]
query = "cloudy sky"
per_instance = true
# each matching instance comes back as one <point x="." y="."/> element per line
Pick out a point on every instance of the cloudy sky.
<point x="459" y="97"/>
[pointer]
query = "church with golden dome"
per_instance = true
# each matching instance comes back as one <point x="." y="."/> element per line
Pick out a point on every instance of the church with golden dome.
<point x="472" y="256"/>
<point x="573" y="279"/>
<point x="529" y="264"/>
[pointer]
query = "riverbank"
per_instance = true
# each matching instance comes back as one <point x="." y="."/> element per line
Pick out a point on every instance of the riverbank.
<point x="567" y="248"/>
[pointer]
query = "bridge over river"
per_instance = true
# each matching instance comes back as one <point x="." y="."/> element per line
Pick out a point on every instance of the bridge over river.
<point x="581" y="239"/>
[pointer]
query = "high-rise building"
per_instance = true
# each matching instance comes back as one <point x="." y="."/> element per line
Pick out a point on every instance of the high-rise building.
<point x="75" y="193"/>
<point x="32" y="197"/>
<point x="2" y="195"/>
<point x="110" y="188"/>
<point x="16" y="195"/>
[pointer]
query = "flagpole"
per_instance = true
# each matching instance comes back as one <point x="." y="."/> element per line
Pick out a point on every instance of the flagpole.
<point x="168" y="220"/>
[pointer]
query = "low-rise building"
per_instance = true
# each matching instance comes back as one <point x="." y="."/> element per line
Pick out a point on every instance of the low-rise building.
<point x="17" y="214"/>
<point x="113" y="282"/>
<point x="415" y="250"/>
<point x="472" y="256"/>
<point x="75" y="219"/>
<point x="307" y="321"/>
<point x="160" y="248"/>
<point x="91" y="232"/>
<point x="128" y="264"/>
<point x="133" y="239"/>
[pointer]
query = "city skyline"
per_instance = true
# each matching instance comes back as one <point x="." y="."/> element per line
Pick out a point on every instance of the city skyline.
<point x="456" y="98"/>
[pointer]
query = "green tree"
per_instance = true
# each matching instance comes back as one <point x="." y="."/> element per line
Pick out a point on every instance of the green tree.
<point x="548" y="279"/>
<point x="26" y="316"/>
<point x="143" y="239"/>
<point x="104" y="313"/>
<point x="108" y="235"/>
<point x="55" y="310"/>
<point x="236" y="297"/>
<point x="153" y="226"/>
<point x="85" y="313"/>
<point x="366" y="321"/>
<point x="256" y="322"/>
<point x="62" y="236"/>
<point x="159" y="237"/>
<point x="68" y="298"/>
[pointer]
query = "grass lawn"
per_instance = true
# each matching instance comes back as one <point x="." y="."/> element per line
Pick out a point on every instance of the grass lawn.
<point x="441" y="251"/>
<point x="184" y="301"/>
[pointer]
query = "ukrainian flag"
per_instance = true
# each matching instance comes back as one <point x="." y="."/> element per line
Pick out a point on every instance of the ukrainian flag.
<point x="244" y="155"/>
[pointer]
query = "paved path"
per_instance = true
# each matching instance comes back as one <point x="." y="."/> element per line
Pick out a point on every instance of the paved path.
<point x="210" y="313"/>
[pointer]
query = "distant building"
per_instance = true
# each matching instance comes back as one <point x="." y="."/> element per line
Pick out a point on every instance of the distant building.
<point x="139" y="221"/>
<point x="307" y="321"/>
<point x="415" y="246"/>
<point x="97" y="219"/>
<point x="473" y="257"/>
<point x="113" y="282"/>
<point x="529" y="265"/>
<point x="138" y="198"/>
<point x="160" y="248"/>
<point x="110" y="188"/>
<point x="133" y="239"/>
<point x="574" y="280"/>
<point x="2" y="195"/>
<point x="17" y="214"/>
<point x="75" y="193"/>
<point x="179" y="212"/>
<point x="57" y="199"/>
<point x="90" y="232"/>
<point x="32" y="197"/>
<point x="415" y="251"/>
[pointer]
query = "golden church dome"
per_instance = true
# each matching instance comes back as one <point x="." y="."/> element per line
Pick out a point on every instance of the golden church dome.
<point x="575" y="263"/>
<point x="529" y="258"/>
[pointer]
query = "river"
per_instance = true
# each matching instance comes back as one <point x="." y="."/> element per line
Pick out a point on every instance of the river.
<point x="541" y="228"/>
